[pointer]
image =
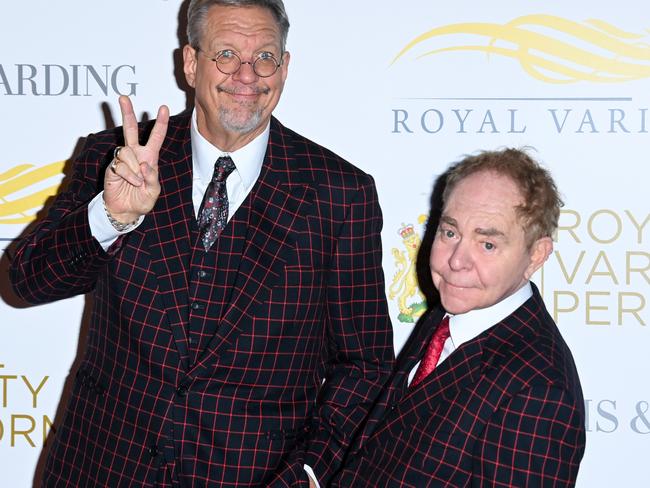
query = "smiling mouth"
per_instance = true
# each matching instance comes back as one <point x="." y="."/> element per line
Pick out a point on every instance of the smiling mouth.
<point x="243" y="97"/>
<point x="243" y="94"/>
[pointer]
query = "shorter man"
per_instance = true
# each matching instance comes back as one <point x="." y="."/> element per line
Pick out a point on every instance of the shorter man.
<point x="494" y="400"/>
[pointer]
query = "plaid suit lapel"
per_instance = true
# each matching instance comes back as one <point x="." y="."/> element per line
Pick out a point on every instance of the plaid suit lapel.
<point x="519" y="327"/>
<point x="480" y="356"/>
<point x="412" y="352"/>
<point x="280" y="202"/>
<point x="458" y="371"/>
<point x="167" y="230"/>
<point x="396" y="388"/>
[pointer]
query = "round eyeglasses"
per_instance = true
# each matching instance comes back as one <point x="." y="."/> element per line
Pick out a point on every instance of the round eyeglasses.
<point x="229" y="62"/>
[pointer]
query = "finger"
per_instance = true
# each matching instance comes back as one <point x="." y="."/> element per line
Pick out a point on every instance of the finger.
<point x="129" y="157"/>
<point x="159" y="130"/>
<point x="122" y="170"/>
<point x="129" y="122"/>
<point x="150" y="174"/>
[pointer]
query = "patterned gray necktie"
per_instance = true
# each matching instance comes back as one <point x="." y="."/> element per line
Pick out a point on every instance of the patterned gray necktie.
<point x="213" y="214"/>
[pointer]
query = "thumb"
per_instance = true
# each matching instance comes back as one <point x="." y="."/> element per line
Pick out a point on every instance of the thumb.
<point x="149" y="173"/>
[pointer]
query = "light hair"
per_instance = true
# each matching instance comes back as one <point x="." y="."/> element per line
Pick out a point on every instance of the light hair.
<point x="540" y="211"/>
<point x="197" y="13"/>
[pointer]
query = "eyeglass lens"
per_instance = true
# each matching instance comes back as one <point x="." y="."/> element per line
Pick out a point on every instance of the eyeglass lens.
<point x="229" y="63"/>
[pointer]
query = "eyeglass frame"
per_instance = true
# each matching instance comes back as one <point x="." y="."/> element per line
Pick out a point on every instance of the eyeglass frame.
<point x="252" y="63"/>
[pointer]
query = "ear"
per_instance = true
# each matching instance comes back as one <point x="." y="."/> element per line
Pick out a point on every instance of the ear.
<point x="286" y="57"/>
<point x="189" y="64"/>
<point x="539" y="253"/>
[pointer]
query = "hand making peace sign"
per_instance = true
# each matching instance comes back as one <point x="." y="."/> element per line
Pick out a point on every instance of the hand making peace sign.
<point x="131" y="185"/>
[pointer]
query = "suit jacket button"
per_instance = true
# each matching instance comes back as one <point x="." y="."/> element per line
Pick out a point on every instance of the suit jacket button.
<point x="181" y="391"/>
<point x="153" y="451"/>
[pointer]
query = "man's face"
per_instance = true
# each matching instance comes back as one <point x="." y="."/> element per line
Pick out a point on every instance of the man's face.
<point x="479" y="255"/>
<point x="236" y="106"/>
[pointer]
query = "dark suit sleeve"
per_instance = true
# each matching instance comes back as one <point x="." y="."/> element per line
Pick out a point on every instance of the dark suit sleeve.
<point x="360" y="335"/>
<point x="60" y="258"/>
<point x="536" y="439"/>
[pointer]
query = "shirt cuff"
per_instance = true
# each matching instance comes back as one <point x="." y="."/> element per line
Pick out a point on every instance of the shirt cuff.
<point x="312" y="476"/>
<point x="100" y="227"/>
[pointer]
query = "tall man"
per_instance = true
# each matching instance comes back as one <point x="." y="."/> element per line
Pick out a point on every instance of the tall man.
<point x="485" y="392"/>
<point x="239" y="329"/>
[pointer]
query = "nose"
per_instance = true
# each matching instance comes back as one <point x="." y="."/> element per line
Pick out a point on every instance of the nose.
<point x="461" y="256"/>
<point x="245" y="73"/>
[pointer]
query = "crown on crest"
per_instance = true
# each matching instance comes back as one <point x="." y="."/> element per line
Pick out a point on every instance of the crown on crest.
<point x="406" y="231"/>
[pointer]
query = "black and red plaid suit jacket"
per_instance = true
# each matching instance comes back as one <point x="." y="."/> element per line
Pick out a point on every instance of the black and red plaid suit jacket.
<point x="302" y="349"/>
<point x="504" y="410"/>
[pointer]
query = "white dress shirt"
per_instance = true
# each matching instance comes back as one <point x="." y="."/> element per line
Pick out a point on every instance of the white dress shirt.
<point x="248" y="165"/>
<point x="466" y="326"/>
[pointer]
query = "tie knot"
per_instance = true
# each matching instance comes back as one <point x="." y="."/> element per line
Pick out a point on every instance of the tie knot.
<point x="223" y="167"/>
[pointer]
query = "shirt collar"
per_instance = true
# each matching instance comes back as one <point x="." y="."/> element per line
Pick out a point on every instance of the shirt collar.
<point x="248" y="159"/>
<point x="466" y="326"/>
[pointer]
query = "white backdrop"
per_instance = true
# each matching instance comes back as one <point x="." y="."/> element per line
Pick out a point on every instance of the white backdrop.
<point x="570" y="79"/>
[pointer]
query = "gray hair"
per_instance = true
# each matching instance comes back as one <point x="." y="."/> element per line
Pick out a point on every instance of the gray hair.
<point x="198" y="11"/>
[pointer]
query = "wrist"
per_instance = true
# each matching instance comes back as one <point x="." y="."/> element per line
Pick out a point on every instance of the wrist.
<point x="120" y="222"/>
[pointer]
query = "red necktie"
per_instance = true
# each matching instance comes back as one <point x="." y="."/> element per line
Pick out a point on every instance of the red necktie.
<point x="213" y="213"/>
<point x="432" y="354"/>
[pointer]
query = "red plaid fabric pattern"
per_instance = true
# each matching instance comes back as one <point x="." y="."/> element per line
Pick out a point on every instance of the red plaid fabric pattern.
<point x="503" y="410"/>
<point x="301" y="350"/>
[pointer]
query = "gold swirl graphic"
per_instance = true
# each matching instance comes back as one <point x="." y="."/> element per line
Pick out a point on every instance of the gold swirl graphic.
<point x="24" y="189"/>
<point x="553" y="49"/>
